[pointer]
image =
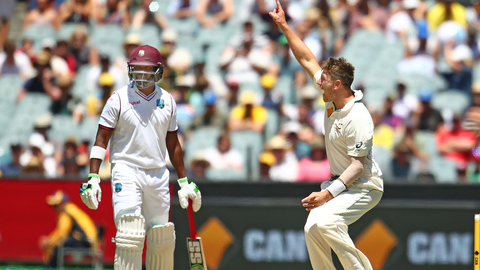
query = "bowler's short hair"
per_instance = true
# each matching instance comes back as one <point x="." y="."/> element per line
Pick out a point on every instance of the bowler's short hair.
<point x="339" y="69"/>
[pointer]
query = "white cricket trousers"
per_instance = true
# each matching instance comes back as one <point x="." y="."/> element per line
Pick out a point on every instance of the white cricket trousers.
<point x="326" y="229"/>
<point x="141" y="191"/>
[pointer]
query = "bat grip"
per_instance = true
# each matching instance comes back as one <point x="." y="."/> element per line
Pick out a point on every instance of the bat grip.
<point x="191" y="221"/>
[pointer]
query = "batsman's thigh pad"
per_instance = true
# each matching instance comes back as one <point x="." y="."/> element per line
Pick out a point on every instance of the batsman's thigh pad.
<point x="160" y="247"/>
<point x="129" y="241"/>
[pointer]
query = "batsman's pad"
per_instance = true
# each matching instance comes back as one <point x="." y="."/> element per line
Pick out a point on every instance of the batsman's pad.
<point x="129" y="241"/>
<point x="160" y="247"/>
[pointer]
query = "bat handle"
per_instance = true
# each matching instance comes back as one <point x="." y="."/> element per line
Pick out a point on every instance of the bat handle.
<point x="191" y="221"/>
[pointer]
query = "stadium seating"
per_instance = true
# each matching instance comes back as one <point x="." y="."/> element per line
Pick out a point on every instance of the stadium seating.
<point x="108" y="38"/>
<point x="453" y="100"/>
<point x="444" y="170"/>
<point x="149" y="34"/>
<point x="250" y="145"/>
<point x="63" y="127"/>
<point x="38" y="33"/>
<point x="202" y="138"/>
<point x="65" y="32"/>
<point x="272" y="125"/>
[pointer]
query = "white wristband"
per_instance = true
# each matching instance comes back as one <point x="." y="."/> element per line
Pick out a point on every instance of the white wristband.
<point x="182" y="182"/>
<point x="336" y="187"/>
<point x="98" y="152"/>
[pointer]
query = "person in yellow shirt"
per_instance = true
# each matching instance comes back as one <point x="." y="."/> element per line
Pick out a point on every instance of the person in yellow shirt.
<point x="74" y="229"/>
<point x="247" y="115"/>
<point x="445" y="11"/>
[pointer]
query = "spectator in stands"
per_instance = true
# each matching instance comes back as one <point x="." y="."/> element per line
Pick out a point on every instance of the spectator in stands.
<point x="418" y="60"/>
<point x="34" y="168"/>
<point x="209" y="13"/>
<point x="314" y="114"/>
<point x="266" y="160"/>
<point x="389" y="117"/>
<point x="286" y="166"/>
<point x="475" y="92"/>
<point x="259" y="41"/>
<point x="106" y="82"/>
<point x="42" y="125"/>
<point x="401" y="162"/>
<point x="80" y="49"/>
<point x="401" y="25"/>
<point x="181" y="8"/>
<point x="305" y="32"/>
<point x="14" y="62"/>
<point x="271" y="100"/>
<point x="38" y="156"/>
<point x="361" y="16"/>
<point x="69" y="166"/>
<point x="445" y="10"/>
<point x="456" y="144"/>
<point x="290" y="130"/>
<point x="74" y="229"/>
<point x="74" y="11"/>
<point x="112" y="12"/>
<point x="13" y="167"/>
<point x="26" y="47"/>
<point x="383" y="134"/>
<point x="246" y="59"/>
<point x="62" y="50"/>
<point x="179" y="60"/>
<point x="211" y="117"/>
<point x="96" y="71"/>
<point x="340" y="14"/>
<point x="232" y="98"/>
<point x="6" y="11"/>
<point x="96" y="101"/>
<point x="67" y="104"/>
<point x="197" y="93"/>
<point x="315" y="167"/>
<point x="198" y="166"/>
<point x="407" y="153"/>
<point x="149" y="13"/>
<point x="404" y="104"/>
<point x="44" y="15"/>
<point x="44" y="82"/>
<point x="59" y="65"/>
<point x="460" y="59"/>
<point x="223" y="157"/>
<point x="426" y="117"/>
<point x="284" y="63"/>
<point x="131" y="41"/>
<point x="248" y="115"/>
<point x="185" y="111"/>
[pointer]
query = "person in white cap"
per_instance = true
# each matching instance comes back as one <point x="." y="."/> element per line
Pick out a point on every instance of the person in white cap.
<point x="140" y="121"/>
<point x="357" y="185"/>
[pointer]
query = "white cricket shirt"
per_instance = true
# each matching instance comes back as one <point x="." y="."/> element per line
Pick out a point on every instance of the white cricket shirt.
<point x="349" y="132"/>
<point x="140" y="125"/>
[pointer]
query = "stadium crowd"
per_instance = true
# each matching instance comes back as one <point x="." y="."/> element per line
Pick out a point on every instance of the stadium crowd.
<point x="246" y="109"/>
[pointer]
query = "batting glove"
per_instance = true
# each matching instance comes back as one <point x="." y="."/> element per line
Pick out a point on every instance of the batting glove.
<point x="90" y="190"/>
<point x="189" y="191"/>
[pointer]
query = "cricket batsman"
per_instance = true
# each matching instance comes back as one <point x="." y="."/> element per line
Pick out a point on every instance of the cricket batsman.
<point x="140" y="122"/>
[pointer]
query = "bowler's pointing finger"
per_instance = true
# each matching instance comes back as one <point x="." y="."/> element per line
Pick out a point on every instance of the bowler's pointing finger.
<point x="278" y="5"/>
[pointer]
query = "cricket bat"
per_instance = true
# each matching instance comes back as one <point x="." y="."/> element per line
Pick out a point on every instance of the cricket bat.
<point x="194" y="244"/>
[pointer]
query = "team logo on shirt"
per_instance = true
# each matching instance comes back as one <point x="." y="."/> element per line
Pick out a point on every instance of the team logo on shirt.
<point x="338" y="124"/>
<point x="118" y="187"/>
<point x="160" y="103"/>
<point x="141" y="53"/>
